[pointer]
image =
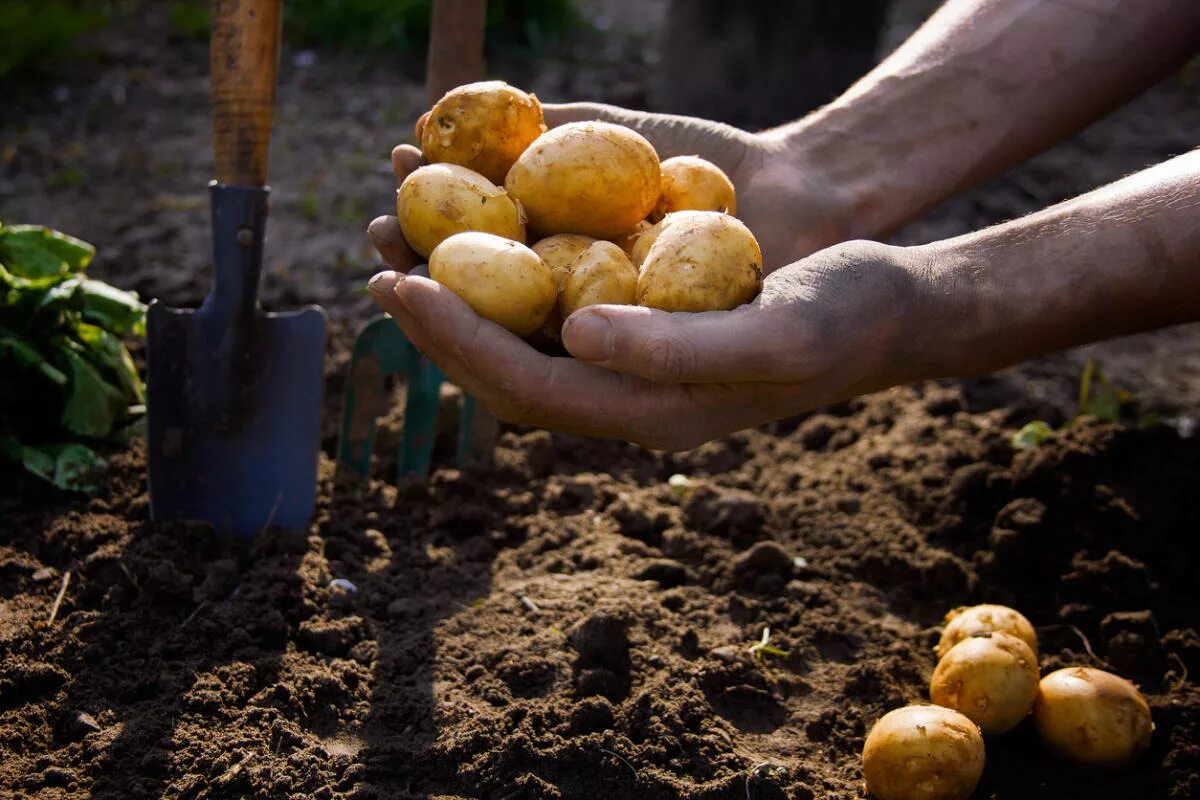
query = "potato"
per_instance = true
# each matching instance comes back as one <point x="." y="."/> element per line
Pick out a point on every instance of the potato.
<point x="627" y="241"/>
<point x="558" y="252"/>
<point x="593" y="178"/>
<point x="502" y="280"/>
<point x="1092" y="717"/>
<point x="923" y="753"/>
<point x="992" y="679"/>
<point x="601" y="274"/>
<point x="689" y="183"/>
<point x="482" y="126"/>
<point x="440" y="200"/>
<point x="643" y="242"/>
<point x="700" y="261"/>
<point x="969" y="620"/>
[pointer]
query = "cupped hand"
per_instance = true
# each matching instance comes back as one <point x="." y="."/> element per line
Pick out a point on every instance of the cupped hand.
<point x="825" y="328"/>
<point x="792" y="210"/>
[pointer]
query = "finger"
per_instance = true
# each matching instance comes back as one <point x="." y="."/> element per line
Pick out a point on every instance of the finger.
<point x="385" y="234"/>
<point x="419" y="128"/>
<point x="751" y="343"/>
<point x="522" y="385"/>
<point x="405" y="159"/>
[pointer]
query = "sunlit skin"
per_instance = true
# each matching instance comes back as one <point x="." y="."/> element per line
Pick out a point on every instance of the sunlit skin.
<point x="982" y="86"/>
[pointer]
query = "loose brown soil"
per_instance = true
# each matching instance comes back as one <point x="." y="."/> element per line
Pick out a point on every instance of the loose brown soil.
<point x="560" y="624"/>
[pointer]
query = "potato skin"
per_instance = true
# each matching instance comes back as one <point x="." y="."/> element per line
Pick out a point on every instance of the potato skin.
<point x="970" y="620"/>
<point x="643" y="241"/>
<point x="440" y="200"/>
<point x="700" y="261"/>
<point x="690" y="183"/>
<point x="482" y="126"/>
<point x="992" y="679"/>
<point x="923" y="753"/>
<point x="1092" y="717"/>
<point x="627" y="241"/>
<point x="593" y="178"/>
<point x="557" y="252"/>
<point x="560" y="250"/>
<point x="502" y="280"/>
<point x="601" y="274"/>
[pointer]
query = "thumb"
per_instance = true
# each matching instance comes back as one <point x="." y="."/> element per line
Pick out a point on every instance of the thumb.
<point x="709" y="347"/>
<point x="405" y="159"/>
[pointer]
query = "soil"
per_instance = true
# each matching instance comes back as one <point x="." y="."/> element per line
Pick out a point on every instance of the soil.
<point x="563" y="623"/>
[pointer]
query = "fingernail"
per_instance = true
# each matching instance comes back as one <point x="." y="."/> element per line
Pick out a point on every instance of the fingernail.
<point x="589" y="337"/>
<point x="381" y="230"/>
<point x="384" y="282"/>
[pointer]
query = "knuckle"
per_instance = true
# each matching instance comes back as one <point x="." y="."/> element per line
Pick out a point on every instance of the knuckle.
<point x="668" y="359"/>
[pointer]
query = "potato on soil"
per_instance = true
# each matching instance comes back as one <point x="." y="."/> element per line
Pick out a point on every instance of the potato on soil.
<point x="593" y="178"/>
<point x="483" y="126"/>
<point x="992" y="679"/>
<point x="690" y="183"/>
<point x="700" y="261"/>
<point x="923" y="753"/>
<point x="502" y="280"/>
<point x="440" y="200"/>
<point x="557" y="252"/>
<point x="987" y="618"/>
<point x="1092" y="717"/>
<point x="601" y="274"/>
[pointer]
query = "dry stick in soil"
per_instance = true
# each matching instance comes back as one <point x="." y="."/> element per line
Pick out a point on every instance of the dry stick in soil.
<point x="1087" y="646"/>
<point x="1181" y="681"/>
<point x="62" y="590"/>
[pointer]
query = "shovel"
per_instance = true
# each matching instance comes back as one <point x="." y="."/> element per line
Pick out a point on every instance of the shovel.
<point x="234" y="393"/>
<point x="381" y="349"/>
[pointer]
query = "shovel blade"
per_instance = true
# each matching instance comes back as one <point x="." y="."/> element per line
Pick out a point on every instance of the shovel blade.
<point x="253" y="464"/>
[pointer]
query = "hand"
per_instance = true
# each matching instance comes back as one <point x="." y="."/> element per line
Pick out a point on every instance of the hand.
<point x="792" y="210"/>
<point x="825" y="328"/>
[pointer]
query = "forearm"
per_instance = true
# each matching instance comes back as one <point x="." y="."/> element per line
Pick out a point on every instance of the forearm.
<point x="1121" y="259"/>
<point x="982" y="86"/>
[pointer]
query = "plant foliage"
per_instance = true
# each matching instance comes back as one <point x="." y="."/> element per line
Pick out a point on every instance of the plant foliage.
<point x="68" y="377"/>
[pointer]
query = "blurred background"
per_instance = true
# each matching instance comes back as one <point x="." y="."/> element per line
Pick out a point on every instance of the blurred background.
<point x="105" y="131"/>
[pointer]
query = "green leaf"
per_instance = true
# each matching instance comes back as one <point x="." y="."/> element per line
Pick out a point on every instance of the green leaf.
<point x="70" y="466"/>
<point x="95" y="406"/>
<point x="31" y="251"/>
<point x="28" y="356"/>
<point x="107" y="352"/>
<point x="110" y="308"/>
<point x="1032" y="435"/>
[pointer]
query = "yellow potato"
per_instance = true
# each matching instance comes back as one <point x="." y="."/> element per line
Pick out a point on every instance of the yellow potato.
<point x="971" y="620"/>
<point x="601" y="274"/>
<point x="558" y="252"/>
<point x="440" y="200"/>
<point x="593" y="178"/>
<point x="992" y="679"/>
<point x="923" y="753"/>
<point x="700" y="261"/>
<point x="628" y="241"/>
<point x="643" y="242"/>
<point x="1092" y="717"/>
<point x="502" y="280"/>
<point x="482" y="126"/>
<point x="689" y="183"/>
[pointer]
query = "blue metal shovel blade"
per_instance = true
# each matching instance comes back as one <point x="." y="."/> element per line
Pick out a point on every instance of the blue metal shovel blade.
<point x="258" y="467"/>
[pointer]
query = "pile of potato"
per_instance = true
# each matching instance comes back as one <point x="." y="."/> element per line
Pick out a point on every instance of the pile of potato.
<point x="986" y="683"/>
<point x="606" y="221"/>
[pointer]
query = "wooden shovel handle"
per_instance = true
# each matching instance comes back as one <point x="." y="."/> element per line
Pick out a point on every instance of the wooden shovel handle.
<point x="244" y="57"/>
<point x="455" y="46"/>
